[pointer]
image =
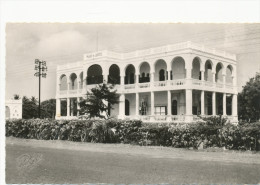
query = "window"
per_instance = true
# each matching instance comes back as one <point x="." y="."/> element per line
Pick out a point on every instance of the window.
<point x="160" y="110"/>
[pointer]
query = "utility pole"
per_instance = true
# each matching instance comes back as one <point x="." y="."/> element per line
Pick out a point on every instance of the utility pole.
<point x="41" y="68"/>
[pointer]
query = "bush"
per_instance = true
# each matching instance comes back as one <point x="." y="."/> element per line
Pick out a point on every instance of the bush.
<point x="211" y="132"/>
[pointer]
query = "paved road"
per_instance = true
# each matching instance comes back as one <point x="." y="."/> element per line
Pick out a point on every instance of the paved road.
<point x="56" y="162"/>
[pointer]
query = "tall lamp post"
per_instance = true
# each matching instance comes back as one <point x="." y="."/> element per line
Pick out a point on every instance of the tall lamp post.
<point x="41" y="68"/>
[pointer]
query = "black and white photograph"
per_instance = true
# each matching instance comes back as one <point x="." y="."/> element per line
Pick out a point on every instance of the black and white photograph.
<point x="130" y="102"/>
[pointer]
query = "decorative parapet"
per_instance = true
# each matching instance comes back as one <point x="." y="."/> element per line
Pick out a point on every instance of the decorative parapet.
<point x="158" y="50"/>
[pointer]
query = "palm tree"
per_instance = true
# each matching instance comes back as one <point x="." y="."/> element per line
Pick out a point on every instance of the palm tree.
<point x="17" y="97"/>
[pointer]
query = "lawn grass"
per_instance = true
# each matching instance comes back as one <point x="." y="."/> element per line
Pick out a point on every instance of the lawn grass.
<point x="57" y="162"/>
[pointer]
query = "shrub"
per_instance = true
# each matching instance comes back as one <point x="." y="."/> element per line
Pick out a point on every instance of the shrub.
<point x="211" y="132"/>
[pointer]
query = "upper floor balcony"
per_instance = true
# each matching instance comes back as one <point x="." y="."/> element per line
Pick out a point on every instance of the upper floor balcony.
<point x="155" y="86"/>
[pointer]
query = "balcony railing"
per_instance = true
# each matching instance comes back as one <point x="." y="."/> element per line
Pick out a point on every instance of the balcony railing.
<point x="160" y="84"/>
<point x="208" y="84"/>
<point x="74" y="91"/>
<point x="197" y="82"/>
<point x="129" y="86"/>
<point x="219" y="85"/>
<point x="177" y="82"/>
<point x="157" y="84"/>
<point x="144" y="85"/>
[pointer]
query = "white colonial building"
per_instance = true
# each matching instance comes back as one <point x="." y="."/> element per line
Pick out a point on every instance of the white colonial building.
<point x="169" y="83"/>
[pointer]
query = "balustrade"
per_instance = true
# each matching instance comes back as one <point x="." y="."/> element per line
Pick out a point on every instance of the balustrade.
<point x="129" y="86"/>
<point x="177" y="82"/>
<point x="160" y="83"/>
<point x="197" y="82"/>
<point x="219" y="85"/>
<point x="144" y="85"/>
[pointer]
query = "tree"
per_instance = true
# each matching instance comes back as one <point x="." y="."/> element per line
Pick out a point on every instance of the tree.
<point x="30" y="108"/>
<point x="17" y="97"/>
<point x="99" y="101"/>
<point x="48" y="108"/>
<point x="249" y="100"/>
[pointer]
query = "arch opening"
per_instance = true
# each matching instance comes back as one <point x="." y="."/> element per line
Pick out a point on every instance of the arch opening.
<point x="130" y="74"/>
<point x="94" y="75"/>
<point x="229" y="71"/>
<point x="160" y="66"/>
<point x="178" y="68"/>
<point x="73" y="81"/>
<point x="196" y="74"/>
<point x="208" y="71"/>
<point x="145" y="73"/>
<point x="63" y="83"/>
<point x="219" y="73"/>
<point x="114" y="74"/>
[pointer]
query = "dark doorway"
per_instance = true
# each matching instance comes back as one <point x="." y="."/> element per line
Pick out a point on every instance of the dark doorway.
<point x="162" y="75"/>
<point x="127" y="108"/>
<point x="174" y="107"/>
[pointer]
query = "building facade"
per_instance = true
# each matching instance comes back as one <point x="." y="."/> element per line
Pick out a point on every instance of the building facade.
<point x="169" y="83"/>
<point x="13" y="109"/>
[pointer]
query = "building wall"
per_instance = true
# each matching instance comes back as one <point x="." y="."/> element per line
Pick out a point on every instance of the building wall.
<point x="13" y="109"/>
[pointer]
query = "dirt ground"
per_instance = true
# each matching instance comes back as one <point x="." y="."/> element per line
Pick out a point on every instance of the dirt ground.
<point x="56" y="162"/>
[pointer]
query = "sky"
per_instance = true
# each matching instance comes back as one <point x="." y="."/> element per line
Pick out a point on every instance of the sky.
<point x="61" y="43"/>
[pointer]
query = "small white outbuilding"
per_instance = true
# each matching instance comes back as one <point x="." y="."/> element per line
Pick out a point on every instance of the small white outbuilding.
<point x="13" y="109"/>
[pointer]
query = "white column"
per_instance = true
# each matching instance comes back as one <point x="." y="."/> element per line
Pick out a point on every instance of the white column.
<point x="188" y="116"/>
<point x="214" y="103"/>
<point x="68" y="86"/>
<point x="105" y="78"/>
<point x="136" y="78"/>
<point x="121" y="106"/>
<point x="202" y="101"/>
<point x="58" y="107"/>
<point x="152" y="103"/>
<point x="122" y="80"/>
<point x="224" y="104"/>
<point x="169" y="96"/>
<point x="188" y="77"/>
<point x="169" y="75"/>
<point x="68" y="107"/>
<point x="202" y="75"/>
<point x="224" y="79"/>
<point x="234" y="106"/>
<point x="151" y="79"/>
<point x="214" y="77"/>
<point x="137" y="104"/>
<point x="188" y="73"/>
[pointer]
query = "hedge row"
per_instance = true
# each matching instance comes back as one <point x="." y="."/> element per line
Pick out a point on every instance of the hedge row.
<point x="211" y="132"/>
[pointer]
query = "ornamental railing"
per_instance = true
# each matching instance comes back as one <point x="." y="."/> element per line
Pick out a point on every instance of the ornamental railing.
<point x="160" y="84"/>
<point x="144" y="85"/>
<point x="177" y="82"/>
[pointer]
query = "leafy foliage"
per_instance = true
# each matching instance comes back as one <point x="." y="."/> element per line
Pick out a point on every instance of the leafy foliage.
<point x="99" y="101"/>
<point x="17" y="97"/>
<point x="209" y="133"/>
<point x="30" y="108"/>
<point x="249" y="100"/>
<point x="48" y="108"/>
